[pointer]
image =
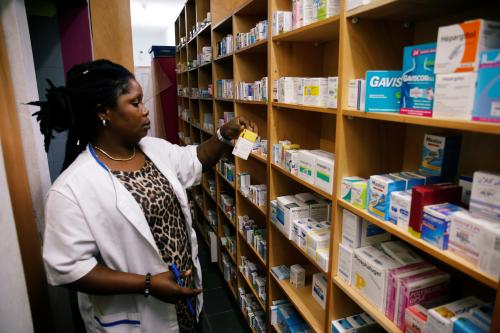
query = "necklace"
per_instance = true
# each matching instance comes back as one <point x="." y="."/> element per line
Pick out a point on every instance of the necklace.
<point x="115" y="158"/>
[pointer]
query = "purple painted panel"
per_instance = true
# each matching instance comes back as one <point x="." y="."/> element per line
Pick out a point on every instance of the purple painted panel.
<point x="76" y="39"/>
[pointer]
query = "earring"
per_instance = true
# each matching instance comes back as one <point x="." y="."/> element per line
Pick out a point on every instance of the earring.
<point x="104" y="122"/>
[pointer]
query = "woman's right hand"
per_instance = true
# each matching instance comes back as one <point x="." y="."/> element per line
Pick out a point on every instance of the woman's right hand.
<point x="164" y="287"/>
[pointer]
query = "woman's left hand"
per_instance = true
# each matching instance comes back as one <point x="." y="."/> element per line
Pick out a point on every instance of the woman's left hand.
<point x="235" y="126"/>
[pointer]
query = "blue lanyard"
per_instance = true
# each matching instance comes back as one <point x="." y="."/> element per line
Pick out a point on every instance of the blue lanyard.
<point x="94" y="155"/>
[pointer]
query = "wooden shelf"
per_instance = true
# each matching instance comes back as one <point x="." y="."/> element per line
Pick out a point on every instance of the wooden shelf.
<point x="304" y="253"/>
<point x="256" y="294"/>
<point x="320" y="31"/>
<point x="231" y="288"/>
<point x="276" y="328"/>
<point x="224" y="57"/>
<point x="262" y="260"/>
<point x="300" y="181"/>
<point x="259" y="157"/>
<point x="233" y="223"/>
<point x="257" y="47"/>
<point x="229" y="100"/>
<point x="206" y="64"/>
<point x="231" y="255"/>
<point x="241" y="101"/>
<point x="445" y="256"/>
<point x="305" y="107"/>
<point x="214" y="199"/>
<point x="224" y="23"/>
<point x="304" y="303"/>
<point x="465" y="125"/>
<point x="375" y="313"/>
<point x="260" y="209"/>
<point x="226" y="180"/>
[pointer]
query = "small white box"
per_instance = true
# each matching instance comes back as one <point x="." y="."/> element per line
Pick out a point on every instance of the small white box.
<point x="297" y="225"/>
<point x="403" y="199"/>
<point x="345" y="262"/>
<point x="319" y="285"/>
<point x="333" y="88"/>
<point x="441" y="318"/>
<point x="316" y="91"/>
<point x="346" y="188"/>
<point x="323" y="258"/>
<point x="485" y="195"/>
<point x="297" y="276"/>
<point x="317" y="239"/>
<point x="286" y="91"/>
<point x="307" y="162"/>
<point x="351" y="4"/>
<point x="307" y="12"/>
<point x="351" y="229"/>
<point x="475" y="239"/>
<point x="311" y="224"/>
<point x="370" y="267"/>
<point x="454" y="95"/>
<point x="324" y="169"/>
<point x="318" y="209"/>
<point x="298" y="86"/>
<point x="398" y="251"/>
<point x="282" y="22"/>
<point x="356" y="94"/>
<point x="290" y="209"/>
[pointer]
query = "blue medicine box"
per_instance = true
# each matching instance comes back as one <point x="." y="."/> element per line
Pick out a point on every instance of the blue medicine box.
<point x="487" y="99"/>
<point x="383" y="91"/>
<point x="435" y="226"/>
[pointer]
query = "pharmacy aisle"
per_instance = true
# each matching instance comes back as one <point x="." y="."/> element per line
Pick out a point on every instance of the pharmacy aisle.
<point x="370" y="196"/>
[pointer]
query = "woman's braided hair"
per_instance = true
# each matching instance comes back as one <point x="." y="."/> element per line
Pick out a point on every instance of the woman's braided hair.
<point x="90" y="88"/>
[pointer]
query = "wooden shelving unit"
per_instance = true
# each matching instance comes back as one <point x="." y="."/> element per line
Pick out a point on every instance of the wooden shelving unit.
<point x="370" y="37"/>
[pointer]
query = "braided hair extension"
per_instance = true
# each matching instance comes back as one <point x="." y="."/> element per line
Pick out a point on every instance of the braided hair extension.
<point x="90" y="89"/>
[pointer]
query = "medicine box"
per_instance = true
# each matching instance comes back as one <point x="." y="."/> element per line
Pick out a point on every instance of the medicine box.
<point x="417" y="87"/>
<point x="351" y="4"/>
<point x="318" y="209"/>
<point x="307" y="161"/>
<point x="372" y="234"/>
<point x="440" y="319"/>
<point x="383" y="91"/>
<point x="410" y="178"/>
<point x="403" y="203"/>
<point x="296" y="14"/>
<point x="429" y="195"/>
<point x="296" y="227"/>
<point x="307" y="12"/>
<point x="459" y="45"/>
<point x="324" y="168"/>
<point x="286" y="90"/>
<point x="440" y="155"/>
<point x="359" y="194"/>
<point x="428" y="288"/>
<point x="304" y="230"/>
<point x="485" y="195"/>
<point x="475" y="239"/>
<point x="466" y="183"/>
<point x="436" y="223"/>
<point x="454" y="95"/>
<point x="398" y="251"/>
<point x="298" y="87"/>
<point x="341" y="326"/>
<point x="316" y="91"/>
<point x="351" y="229"/>
<point x="317" y="239"/>
<point x="356" y="94"/>
<point x="282" y="22"/>
<point x="415" y="319"/>
<point x="363" y="323"/>
<point x="487" y="98"/>
<point x="344" y="268"/>
<point x="379" y="194"/>
<point x="333" y="88"/>
<point x="346" y="187"/>
<point x="370" y="268"/>
<point x="325" y="8"/>
<point x="319" y="285"/>
<point x="290" y="209"/>
<point x="323" y="257"/>
<point x="297" y="276"/>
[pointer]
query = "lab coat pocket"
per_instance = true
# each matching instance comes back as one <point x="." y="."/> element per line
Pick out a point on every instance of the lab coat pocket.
<point x="118" y="323"/>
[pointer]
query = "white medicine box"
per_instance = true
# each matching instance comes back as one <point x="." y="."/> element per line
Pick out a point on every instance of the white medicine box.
<point x="351" y="229"/>
<point x="289" y="210"/>
<point x="319" y="285"/>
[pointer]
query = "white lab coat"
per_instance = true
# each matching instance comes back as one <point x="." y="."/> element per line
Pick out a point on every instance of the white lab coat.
<point x="92" y="218"/>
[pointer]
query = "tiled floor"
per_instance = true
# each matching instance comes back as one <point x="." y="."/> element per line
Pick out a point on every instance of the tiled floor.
<point x="220" y="311"/>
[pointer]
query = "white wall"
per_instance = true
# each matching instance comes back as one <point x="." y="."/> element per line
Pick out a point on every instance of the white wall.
<point x="15" y="314"/>
<point x="153" y="23"/>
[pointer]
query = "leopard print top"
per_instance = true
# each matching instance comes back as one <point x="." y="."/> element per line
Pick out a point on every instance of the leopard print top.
<point x="153" y="192"/>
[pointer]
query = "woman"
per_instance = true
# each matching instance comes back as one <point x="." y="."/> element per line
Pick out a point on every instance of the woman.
<point x="118" y="216"/>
